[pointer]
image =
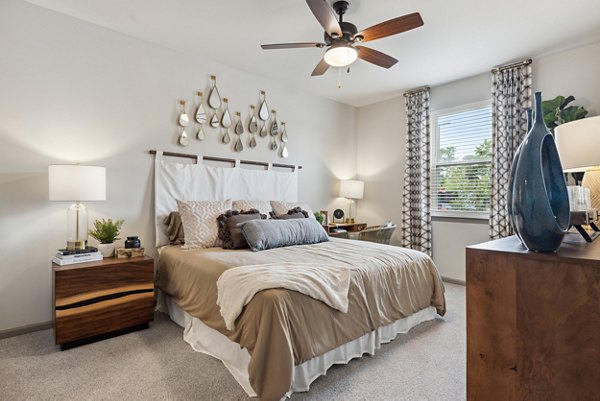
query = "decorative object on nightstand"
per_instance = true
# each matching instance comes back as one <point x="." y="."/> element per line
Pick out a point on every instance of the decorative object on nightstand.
<point x="133" y="241"/>
<point x="76" y="183"/>
<point x="351" y="190"/>
<point x="106" y="232"/>
<point x="101" y="299"/>
<point x="338" y="214"/>
<point x="540" y="202"/>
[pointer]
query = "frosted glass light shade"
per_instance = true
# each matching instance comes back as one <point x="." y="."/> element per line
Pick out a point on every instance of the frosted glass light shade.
<point x="340" y="55"/>
<point x="352" y="189"/>
<point x="72" y="182"/>
<point x="578" y="142"/>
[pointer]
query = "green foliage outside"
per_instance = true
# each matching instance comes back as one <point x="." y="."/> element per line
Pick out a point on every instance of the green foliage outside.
<point x="106" y="231"/>
<point x="465" y="187"/>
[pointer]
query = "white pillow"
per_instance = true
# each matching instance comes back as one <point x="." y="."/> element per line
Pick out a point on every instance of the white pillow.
<point x="264" y="207"/>
<point x="280" y="207"/>
<point x="199" y="219"/>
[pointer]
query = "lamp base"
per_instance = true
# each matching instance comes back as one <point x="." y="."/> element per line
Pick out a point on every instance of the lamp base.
<point x="76" y="245"/>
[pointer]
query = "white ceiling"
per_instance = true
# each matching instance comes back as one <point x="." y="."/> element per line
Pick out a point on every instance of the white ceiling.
<point x="460" y="38"/>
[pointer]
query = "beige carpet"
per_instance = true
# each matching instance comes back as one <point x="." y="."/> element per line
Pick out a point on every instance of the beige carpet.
<point x="156" y="364"/>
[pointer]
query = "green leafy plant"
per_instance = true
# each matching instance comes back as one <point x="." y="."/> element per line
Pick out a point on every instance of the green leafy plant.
<point x="106" y="231"/>
<point x="557" y="111"/>
<point x="319" y="217"/>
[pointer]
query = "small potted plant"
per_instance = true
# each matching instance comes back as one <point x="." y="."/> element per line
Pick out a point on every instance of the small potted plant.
<point x="106" y="232"/>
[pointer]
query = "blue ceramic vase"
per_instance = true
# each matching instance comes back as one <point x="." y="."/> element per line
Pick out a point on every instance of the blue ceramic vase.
<point x="511" y="177"/>
<point x="540" y="203"/>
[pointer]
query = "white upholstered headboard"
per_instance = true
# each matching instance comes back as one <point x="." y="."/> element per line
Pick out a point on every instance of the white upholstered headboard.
<point x="174" y="181"/>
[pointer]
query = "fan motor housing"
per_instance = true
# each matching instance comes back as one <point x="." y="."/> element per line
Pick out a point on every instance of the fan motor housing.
<point x="348" y="32"/>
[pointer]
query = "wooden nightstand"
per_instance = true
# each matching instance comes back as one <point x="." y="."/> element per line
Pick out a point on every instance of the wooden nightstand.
<point x="96" y="300"/>
<point x="349" y="227"/>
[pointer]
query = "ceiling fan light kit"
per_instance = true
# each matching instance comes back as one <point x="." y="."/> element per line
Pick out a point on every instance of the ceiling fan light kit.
<point x="342" y="37"/>
<point x="340" y="55"/>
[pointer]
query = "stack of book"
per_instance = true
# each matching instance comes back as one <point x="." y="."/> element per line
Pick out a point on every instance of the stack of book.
<point x="69" y="257"/>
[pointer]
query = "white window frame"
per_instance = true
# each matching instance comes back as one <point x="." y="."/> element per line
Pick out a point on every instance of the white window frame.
<point x="435" y="141"/>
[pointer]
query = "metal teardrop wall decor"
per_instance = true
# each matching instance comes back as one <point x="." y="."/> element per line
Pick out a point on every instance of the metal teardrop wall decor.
<point x="239" y="130"/>
<point x="253" y="124"/>
<point x="284" y="151"/>
<point x="214" y="98"/>
<point x="263" y="111"/>
<point x="263" y="130"/>
<point x="200" y="115"/>
<point x="183" y="119"/>
<point x="225" y="116"/>
<point x="183" y="138"/>
<point x="214" y="120"/>
<point x="274" y="126"/>
<point x="201" y="135"/>
<point x="226" y="138"/>
<point x="284" y="136"/>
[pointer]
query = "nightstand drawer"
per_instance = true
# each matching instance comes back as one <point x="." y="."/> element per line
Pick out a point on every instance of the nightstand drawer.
<point x="103" y="317"/>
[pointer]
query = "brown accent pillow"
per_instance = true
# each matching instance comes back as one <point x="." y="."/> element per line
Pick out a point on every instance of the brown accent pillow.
<point x="230" y="233"/>
<point x="295" y="213"/>
<point x="175" y="229"/>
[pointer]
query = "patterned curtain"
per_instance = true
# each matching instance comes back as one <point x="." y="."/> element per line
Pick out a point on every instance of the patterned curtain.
<point x="416" y="199"/>
<point x="511" y="96"/>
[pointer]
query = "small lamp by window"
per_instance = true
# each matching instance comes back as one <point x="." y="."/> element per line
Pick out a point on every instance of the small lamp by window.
<point x="76" y="183"/>
<point x="351" y="189"/>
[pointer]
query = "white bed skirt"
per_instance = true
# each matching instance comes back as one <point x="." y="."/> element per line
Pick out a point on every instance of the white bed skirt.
<point x="236" y="359"/>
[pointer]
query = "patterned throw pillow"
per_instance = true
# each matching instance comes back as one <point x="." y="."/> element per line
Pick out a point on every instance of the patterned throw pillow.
<point x="230" y="233"/>
<point x="280" y="207"/>
<point x="264" y="207"/>
<point x="295" y="213"/>
<point x="199" y="220"/>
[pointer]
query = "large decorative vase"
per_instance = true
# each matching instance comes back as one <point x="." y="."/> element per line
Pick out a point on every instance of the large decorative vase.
<point x="540" y="202"/>
<point x="513" y="170"/>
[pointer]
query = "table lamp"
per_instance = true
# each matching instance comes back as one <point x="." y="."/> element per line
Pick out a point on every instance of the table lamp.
<point x="76" y="183"/>
<point x="577" y="143"/>
<point x="351" y="189"/>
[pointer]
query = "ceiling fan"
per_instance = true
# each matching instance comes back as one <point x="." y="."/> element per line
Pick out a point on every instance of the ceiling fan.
<point x="341" y="37"/>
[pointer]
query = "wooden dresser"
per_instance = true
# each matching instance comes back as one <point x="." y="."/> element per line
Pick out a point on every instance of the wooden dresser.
<point x="99" y="299"/>
<point x="533" y="322"/>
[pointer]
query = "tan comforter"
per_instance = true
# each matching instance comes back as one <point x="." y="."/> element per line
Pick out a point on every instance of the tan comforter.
<point x="280" y="328"/>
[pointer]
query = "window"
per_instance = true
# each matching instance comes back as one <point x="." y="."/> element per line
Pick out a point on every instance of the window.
<point x="461" y="161"/>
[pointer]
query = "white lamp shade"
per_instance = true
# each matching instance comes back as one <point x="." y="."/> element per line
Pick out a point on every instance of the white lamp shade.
<point x="578" y="144"/>
<point x="72" y="182"/>
<point x="352" y="189"/>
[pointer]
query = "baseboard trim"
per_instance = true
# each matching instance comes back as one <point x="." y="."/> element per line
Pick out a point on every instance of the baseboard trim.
<point x="454" y="281"/>
<point x="30" y="328"/>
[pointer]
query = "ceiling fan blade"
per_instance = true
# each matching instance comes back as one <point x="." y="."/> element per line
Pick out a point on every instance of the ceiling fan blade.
<point x="326" y="16"/>
<point x="320" y="69"/>
<point x="375" y="57"/>
<point x="291" y="45"/>
<point x="391" y="27"/>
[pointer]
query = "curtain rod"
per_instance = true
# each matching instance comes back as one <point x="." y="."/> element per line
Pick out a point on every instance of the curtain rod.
<point x="416" y="90"/>
<point x="513" y="65"/>
<point x="224" y="159"/>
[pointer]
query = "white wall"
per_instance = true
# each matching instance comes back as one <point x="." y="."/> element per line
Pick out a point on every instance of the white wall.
<point x="382" y="137"/>
<point x="71" y="91"/>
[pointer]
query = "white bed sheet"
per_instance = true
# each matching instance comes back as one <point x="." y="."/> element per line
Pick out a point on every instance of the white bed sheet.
<point x="236" y="359"/>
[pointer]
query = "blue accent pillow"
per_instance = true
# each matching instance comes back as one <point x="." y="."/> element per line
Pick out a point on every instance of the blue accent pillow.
<point x="269" y="234"/>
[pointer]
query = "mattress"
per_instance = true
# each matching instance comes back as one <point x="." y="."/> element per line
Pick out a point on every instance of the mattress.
<point x="282" y="329"/>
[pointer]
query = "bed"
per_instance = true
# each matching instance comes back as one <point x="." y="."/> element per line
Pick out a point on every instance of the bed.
<point x="283" y="339"/>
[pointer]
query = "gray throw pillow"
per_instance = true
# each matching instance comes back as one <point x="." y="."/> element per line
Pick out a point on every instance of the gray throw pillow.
<point x="269" y="234"/>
